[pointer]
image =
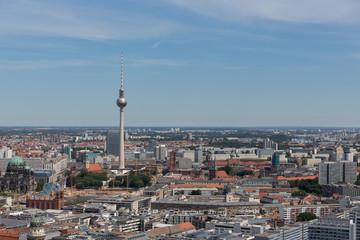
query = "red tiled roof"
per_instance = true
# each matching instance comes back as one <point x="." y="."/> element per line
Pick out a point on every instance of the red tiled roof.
<point x="186" y="226"/>
<point x="294" y="178"/>
<point x="94" y="168"/>
<point x="221" y="174"/>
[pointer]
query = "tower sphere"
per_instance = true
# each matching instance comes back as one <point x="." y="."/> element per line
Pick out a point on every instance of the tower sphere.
<point x="121" y="102"/>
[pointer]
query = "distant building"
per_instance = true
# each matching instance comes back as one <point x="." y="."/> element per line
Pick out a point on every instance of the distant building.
<point x="190" y="136"/>
<point x="113" y="142"/>
<point x="160" y="152"/>
<point x="53" y="201"/>
<point x="159" y="190"/>
<point x="152" y="145"/>
<point x="37" y="231"/>
<point x="198" y="155"/>
<point x="18" y="177"/>
<point x="332" y="228"/>
<point x="269" y="144"/>
<point x="34" y="163"/>
<point x="45" y="175"/>
<point x="337" y="172"/>
<point x="289" y="232"/>
<point x="291" y="213"/>
<point x="8" y="235"/>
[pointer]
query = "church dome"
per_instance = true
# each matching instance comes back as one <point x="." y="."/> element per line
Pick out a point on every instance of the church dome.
<point x="36" y="222"/>
<point x="16" y="161"/>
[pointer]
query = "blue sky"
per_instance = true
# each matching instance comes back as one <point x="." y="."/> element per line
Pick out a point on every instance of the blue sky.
<point x="186" y="62"/>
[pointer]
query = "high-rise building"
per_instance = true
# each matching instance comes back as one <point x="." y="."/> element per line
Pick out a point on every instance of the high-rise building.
<point x="190" y="136"/>
<point x="152" y="145"/>
<point x="113" y="142"/>
<point x="121" y="103"/>
<point x="354" y="214"/>
<point x="331" y="227"/>
<point x="160" y="152"/>
<point x="335" y="172"/>
<point x="198" y="155"/>
<point x="269" y="144"/>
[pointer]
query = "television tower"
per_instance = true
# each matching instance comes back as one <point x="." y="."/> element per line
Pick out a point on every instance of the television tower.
<point x="121" y="102"/>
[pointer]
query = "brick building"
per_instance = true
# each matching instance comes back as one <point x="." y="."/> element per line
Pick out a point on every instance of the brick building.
<point x="46" y="202"/>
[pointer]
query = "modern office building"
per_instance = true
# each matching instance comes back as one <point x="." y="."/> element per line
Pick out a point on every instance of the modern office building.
<point x="152" y="145"/>
<point x="354" y="214"/>
<point x="288" y="232"/>
<point x="198" y="155"/>
<point x="331" y="227"/>
<point x="160" y="152"/>
<point x="337" y="172"/>
<point x="113" y="142"/>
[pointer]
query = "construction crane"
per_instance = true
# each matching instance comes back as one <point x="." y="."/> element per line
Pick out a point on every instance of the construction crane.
<point x="113" y="183"/>
<point x="108" y="179"/>
<point x="127" y="182"/>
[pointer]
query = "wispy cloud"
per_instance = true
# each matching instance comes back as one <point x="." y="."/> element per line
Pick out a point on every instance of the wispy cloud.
<point x="42" y="64"/>
<point x="354" y="55"/>
<point x="161" y="62"/>
<point x="50" y="18"/>
<point x="304" y="11"/>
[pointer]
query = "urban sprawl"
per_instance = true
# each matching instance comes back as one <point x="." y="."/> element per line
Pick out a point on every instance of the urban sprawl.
<point x="179" y="183"/>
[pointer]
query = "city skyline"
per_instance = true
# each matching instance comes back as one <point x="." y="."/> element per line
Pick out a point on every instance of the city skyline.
<point x="207" y="63"/>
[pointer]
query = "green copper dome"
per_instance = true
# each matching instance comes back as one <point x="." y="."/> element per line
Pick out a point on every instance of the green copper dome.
<point x="36" y="222"/>
<point x="16" y="161"/>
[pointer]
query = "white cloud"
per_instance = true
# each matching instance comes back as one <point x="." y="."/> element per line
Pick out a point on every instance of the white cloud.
<point x="295" y="11"/>
<point x="50" y="18"/>
<point x="41" y="64"/>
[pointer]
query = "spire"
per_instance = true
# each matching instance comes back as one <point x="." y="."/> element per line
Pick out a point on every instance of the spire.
<point x="214" y="162"/>
<point x="86" y="155"/>
<point x="122" y="72"/>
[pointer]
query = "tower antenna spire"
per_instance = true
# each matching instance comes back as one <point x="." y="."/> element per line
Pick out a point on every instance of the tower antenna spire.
<point x="122" y="71"/>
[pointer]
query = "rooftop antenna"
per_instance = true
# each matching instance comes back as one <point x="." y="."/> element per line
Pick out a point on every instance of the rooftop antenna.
<point x="122" y="71"/>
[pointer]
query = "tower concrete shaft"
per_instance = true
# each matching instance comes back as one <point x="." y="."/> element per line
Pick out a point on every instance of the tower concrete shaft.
<point x="122" y="146"/>
<point x="121" y="102"/>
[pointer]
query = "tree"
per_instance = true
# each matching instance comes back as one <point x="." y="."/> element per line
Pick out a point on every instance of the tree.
<point x="358" y="180"/>
<point x="306" y="216"/>
<point x="87" y="179"/>
<point x="244" y="172"/>
<point x="300" y="193"/>
<point x="227" y="169"/>
<point x="195" y="192"/>
<point x="135" y="180"/>
<point x="308" y="185"/>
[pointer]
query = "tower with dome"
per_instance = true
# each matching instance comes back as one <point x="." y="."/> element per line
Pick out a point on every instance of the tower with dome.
<point x="18" y="177"/>
<point x="37" y="231"/>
